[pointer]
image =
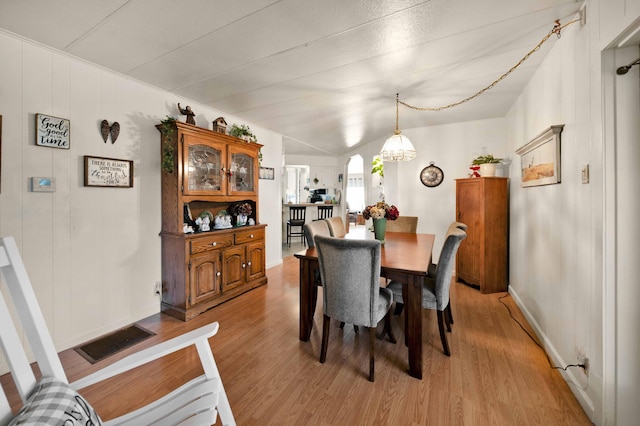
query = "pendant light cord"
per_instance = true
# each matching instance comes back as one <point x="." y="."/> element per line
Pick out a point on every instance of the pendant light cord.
<point x="555" y="30"/>
<point x="397" y="105"/>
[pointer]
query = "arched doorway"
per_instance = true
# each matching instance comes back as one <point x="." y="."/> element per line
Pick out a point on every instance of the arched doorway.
<point x="355" y="194"/>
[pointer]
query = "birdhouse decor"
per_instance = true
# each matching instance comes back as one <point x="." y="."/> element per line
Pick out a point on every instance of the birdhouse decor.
<point x="219" y="125"/>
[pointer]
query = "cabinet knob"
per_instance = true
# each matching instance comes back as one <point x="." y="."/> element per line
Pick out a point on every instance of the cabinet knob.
<point x="249" y="263"/>
<point x="214" y="243"/>
<point x="251" y="236"/>
<point x="218" y="274"/>
<point x="244" y="265"/>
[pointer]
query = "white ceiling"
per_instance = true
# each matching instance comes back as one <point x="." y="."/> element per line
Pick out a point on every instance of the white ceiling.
<point x="322" y="73"/>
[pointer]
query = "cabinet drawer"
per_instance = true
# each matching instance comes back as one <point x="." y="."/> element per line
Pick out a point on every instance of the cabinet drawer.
<point x="214" y="242"/>
<point x="249" y="235"/>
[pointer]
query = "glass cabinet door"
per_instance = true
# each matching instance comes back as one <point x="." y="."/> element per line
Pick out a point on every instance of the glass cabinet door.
<point x="203" y="169"/>
<point x="242" y="166"/>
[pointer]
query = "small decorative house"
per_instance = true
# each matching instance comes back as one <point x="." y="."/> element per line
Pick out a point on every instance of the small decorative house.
<point x="219" y="125"/>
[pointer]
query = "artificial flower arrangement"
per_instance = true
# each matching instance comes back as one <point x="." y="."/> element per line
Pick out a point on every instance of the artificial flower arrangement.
<point x="381" y="210"/>
<point x="241" y="209"/>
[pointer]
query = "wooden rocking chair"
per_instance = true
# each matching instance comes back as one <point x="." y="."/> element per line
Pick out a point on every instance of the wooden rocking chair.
<point x="52" y="400"/>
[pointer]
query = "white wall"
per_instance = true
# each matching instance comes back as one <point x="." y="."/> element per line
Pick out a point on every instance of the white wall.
<point x="565" y="271"/>
<point x="451" y="147"/>
<point x="555" y="272"/>
<point x="93" y="254"/>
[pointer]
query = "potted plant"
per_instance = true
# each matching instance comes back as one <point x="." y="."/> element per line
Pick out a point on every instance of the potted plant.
<point x="167" y="127"/>
<point x="487" y="164"/>
<point x="242" y="132"/>
<point x="377" y="166"/>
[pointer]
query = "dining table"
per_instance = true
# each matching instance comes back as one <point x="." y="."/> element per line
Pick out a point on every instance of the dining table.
<point x="405" y="257"/>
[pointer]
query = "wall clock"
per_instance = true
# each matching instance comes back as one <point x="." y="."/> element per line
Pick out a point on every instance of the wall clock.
<point x="431" y="175"/>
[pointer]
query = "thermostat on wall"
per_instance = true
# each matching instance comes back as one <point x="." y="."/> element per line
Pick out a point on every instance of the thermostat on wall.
<point x="43" y="184"/>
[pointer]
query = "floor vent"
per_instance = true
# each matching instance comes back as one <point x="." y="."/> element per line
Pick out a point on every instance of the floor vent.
<point x="112" y="343"/>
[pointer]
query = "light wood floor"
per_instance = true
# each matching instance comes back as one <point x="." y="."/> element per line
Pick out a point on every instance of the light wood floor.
<point x="495" y="374"/>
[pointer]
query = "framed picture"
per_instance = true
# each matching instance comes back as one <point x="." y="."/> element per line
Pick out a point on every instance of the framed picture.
<point x="109" y="172"/>
<point x="267" y="173"/>
<point x="53" y="132"/>
<point x="540" y="158"/>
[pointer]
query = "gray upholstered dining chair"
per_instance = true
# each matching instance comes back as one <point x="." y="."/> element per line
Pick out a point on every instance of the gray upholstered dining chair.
<point x="435" y="292"/>
<point x="350" y="271"/>
<point x="318" y="227"/>
<point x="336" y="226"/>
<point x="311" y="229"/>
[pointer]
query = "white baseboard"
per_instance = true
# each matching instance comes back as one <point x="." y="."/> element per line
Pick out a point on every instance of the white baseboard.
<point x="578" y="385"/>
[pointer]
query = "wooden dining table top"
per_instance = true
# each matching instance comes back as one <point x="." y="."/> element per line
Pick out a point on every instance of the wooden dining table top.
<point x="402" y="252"/>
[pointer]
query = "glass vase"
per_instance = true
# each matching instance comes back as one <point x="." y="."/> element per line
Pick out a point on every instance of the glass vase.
<point x="379" y="229"/>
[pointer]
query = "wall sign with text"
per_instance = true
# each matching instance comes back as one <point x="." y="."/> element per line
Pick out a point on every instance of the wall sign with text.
<point x="53" y="132"/>
<point x="110" y="172"/>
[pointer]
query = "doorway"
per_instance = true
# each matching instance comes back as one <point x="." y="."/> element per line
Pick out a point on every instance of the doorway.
<point x="355" y="184"/>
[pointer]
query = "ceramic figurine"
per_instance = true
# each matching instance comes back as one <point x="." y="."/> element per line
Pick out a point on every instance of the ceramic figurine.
<point x="190" y="114"/>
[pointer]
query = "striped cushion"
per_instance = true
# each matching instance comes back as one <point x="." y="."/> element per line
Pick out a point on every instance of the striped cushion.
<point x="55" y="403"/>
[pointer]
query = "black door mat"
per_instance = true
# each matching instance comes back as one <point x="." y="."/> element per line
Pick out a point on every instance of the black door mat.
<point x="109" y="344"/>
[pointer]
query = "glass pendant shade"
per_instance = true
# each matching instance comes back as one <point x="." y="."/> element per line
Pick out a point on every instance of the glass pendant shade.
<point x="398" y="147"/>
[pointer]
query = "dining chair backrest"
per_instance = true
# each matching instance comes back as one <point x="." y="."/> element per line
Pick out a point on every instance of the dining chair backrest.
<point x="458" y="225"/>
<point x="350" y="271"/>
<point x="445" y="266"/>
<point x="297" y="215"/>
<point x="407" y="224"/>
<point x="318" y="227"/>
<point x="325" y="211"/>
<point x="336" y="226"/>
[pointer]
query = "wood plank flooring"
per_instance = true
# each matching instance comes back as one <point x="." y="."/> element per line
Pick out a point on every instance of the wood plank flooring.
<point x="495" y="375"/>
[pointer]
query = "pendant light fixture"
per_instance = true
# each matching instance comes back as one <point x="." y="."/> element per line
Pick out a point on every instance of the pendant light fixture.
<point x="398" y="147"/>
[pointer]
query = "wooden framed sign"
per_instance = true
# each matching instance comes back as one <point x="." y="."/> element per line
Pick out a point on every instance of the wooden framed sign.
<point x="53" y="132"/>
<point x="109" y="172"/>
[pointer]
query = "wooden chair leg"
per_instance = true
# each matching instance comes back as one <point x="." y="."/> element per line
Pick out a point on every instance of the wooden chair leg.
<point x="372" y="343"/>
<point x="405" y="296"/>
<point x="443" y="336"/>
<point x="325" y="338"/>
<point x="387" y="328"/>
<point x="450" y="313"/>
<point x="446" y="320"/>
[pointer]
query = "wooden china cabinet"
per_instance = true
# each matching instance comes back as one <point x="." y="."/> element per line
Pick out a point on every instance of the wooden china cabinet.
<point x="482" y="260"/>
<point x="205" y="172"/>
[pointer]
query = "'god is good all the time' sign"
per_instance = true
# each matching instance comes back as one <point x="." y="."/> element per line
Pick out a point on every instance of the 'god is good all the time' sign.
<point x="53" y="132"/>
<point x="100" y="171"/>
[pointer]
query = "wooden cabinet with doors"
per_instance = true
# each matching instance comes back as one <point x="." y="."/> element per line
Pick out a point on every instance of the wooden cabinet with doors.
<point x="204" y="173"/>
<point x="482" y="260"/>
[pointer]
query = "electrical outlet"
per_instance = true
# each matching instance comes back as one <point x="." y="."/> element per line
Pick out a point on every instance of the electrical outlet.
<point x="157" y="288"/>
<point x="583" y="359"/>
